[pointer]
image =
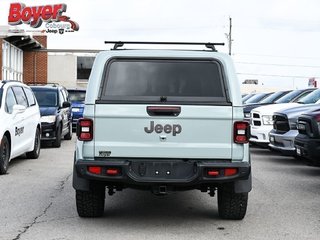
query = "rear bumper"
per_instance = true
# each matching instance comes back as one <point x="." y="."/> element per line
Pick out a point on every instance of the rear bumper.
<point x="308" y="147"/>
<point x="173" y="173"/>
<point x="283" y="142"/>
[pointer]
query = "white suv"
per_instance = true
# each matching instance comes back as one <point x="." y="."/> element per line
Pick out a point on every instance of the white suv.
<point x="19" y="123"/>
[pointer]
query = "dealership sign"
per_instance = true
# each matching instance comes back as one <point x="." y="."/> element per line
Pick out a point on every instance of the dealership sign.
<point x="34" y="16"/>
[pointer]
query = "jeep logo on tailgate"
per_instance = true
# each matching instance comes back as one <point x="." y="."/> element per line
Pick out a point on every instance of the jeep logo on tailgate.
<point x="175" y="128"/>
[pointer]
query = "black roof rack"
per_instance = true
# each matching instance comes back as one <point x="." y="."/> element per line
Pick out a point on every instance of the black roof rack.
<point x="53" y="84"/>
<point x="210" y="45"/>
<point x="9" y="81"/>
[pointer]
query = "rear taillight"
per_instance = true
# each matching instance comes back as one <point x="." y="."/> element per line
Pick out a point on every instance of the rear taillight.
<point x="230" y="171"/>
<point x="221" y="172"/>
<point x="85" y="129"/>
<point x="213" y="172"/>
<point x="113" y="171"/>
<point x="241" y="132"/>
<point x="94" y="170"/>
<point x="104" y="171"/>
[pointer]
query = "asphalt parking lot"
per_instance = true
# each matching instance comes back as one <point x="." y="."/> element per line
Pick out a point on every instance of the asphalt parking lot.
<point x="37" y="202"/>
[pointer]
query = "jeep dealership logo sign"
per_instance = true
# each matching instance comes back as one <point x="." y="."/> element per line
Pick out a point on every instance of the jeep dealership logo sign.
<point x="34" y="16"/>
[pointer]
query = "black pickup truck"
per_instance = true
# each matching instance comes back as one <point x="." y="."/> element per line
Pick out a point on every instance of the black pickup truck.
<point x="307" y="142"/>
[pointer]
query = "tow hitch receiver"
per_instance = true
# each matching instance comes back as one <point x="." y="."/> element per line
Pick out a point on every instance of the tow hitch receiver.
<point x="160" y="190"/>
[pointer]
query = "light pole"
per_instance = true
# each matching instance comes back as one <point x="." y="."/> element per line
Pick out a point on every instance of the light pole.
<point x="229" y="35"/>
<point x="230" y="38"/>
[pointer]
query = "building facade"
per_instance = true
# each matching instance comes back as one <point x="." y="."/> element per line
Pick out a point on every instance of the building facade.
<point x="19" y="59"/>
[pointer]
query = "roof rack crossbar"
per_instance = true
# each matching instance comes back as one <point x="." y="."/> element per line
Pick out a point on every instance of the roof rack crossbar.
<point x="9" y="81"/>
<point x="118" y="44"/>
<point x="45" y="84"/>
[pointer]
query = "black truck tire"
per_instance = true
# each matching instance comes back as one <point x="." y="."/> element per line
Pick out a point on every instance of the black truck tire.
<point x="68" y="136"/>
<point x="4" y="155"/>
<point x="90" y="203"/>
<point x="34" y="154"/>
<point x="231" y="205"/>
<point x="57" y="142"/>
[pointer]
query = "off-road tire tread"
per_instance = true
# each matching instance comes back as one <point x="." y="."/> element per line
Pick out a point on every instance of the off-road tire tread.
<point x="90" y="203"/>
<point x="232" y="205"/>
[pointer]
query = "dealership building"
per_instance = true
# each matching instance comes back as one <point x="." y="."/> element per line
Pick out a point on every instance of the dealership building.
<point x="25" y="58"/>
<point x="19" y="58"/>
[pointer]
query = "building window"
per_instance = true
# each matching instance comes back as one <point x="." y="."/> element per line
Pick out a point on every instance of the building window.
<point x="12" y="57"/>
<point x="84" y="66"/>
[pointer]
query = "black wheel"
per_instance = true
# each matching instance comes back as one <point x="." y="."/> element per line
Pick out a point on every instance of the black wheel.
<point x="68" y="136"/>
<point x="34" y="154"/>
<point x="90" y="203"/>
<point x="231" y="205"/>
<point x="57" y="142"/>
<point x="4" y="155"/>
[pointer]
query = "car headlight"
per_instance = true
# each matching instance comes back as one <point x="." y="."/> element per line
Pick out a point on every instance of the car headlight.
<point x="267" y="120"/>
<point x="293" y="124"/>
<point x="48" y="119"/>
<point x="247" y="115"/>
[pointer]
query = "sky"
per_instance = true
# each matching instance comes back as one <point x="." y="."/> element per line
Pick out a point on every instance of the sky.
<point x="274" y="41"/>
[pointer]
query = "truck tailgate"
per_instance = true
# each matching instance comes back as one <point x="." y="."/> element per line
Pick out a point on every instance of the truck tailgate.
<point x="129" y="131"/>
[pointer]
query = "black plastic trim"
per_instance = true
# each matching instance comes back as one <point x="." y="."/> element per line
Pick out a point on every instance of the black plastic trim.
<point x="128" y="178"/>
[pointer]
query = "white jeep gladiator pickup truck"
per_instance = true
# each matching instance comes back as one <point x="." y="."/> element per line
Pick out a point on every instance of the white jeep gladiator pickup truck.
<point x="163" y="121"/>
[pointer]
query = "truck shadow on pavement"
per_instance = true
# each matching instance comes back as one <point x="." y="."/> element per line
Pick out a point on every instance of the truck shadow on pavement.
<point x="144" y="206"/>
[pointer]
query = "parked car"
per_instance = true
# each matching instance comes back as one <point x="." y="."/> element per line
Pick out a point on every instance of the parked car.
<point x="270" y="99"/>
<point x="295" y="96"/>
<point x="256" y="98"/>
<point x="19" y="123"/>
<point x="76" y="97"/>
<point x="307" y="142"/>
<point x="261" y="122"/>
<point x="285" y="130"/>
<point x="177" y="127"/>
<point x="246" y="97"/>
<point x="56" y="115"/>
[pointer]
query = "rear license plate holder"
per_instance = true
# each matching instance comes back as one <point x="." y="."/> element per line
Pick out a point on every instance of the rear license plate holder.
<point x="162" y="170"/>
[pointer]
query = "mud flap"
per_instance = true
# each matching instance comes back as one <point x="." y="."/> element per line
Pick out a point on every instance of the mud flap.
<point x="79" y="183"/>
<point x="243" y="186"/>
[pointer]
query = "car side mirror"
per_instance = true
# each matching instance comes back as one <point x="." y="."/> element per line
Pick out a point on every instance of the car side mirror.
<point x="66" y="105"/>
<point x="16" y="109"/>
